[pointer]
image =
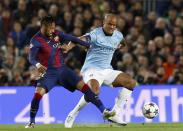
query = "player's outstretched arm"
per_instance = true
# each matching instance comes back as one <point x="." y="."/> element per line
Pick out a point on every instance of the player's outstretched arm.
<point x="70" y="45"/>
<point x="67" y="47"/>
<point x="74" y="39"/>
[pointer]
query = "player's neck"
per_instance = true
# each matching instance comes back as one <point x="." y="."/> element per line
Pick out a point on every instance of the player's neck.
<point x="107" y="34"/>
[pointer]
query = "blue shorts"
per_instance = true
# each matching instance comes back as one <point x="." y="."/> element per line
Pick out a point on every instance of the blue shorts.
<point x="61" y="76"/>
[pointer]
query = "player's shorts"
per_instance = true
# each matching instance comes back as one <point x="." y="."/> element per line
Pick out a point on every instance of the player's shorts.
<point x="62" y="76"/>
<point x="105" y="76"/>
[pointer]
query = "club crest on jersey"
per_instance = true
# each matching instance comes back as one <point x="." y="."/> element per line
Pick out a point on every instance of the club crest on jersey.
<point x="56" y="39"/>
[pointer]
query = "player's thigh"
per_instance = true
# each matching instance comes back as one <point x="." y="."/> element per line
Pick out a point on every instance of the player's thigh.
<point x="93" y="78"/>
<point x="94" y="85"/>
<point x="94" y="75"/>
<point x="48" y="81"/>
<point x="40" y="90"/>
<point x="110" y="76"/>
<point x="69" y="79"/>
<point x="125" y="80"/>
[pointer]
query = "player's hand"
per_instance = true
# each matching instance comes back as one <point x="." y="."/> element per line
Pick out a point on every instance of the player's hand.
<point x="67" y="47"/>
<point x="41" y="69"/>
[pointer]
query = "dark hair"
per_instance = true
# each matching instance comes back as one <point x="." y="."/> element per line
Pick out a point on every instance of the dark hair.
<point x="47" y="20"/>
<point x="109" y="15"/>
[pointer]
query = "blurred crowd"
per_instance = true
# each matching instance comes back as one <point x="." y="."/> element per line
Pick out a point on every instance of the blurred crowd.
<point x="154" y="54"/>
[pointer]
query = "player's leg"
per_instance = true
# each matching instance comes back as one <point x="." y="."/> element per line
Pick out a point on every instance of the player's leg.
<point x="90" y="96"/>
<point x="126" y="81"/>
<point x="44" y="85"/>
<point x="119" y="79"/>
<point x="39" y="92"/>
<point x="93" y="83"/>
<point x="71" y="80"/>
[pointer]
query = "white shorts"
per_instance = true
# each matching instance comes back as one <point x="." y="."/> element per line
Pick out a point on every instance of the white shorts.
<point x="105" y="76"/>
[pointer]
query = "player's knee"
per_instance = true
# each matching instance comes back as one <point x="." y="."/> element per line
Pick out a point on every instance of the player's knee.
<point x="94" y="84"/>
<point x="95" y="89"/>
<point x="131" y="84"/>
<point x="40" y="90"/>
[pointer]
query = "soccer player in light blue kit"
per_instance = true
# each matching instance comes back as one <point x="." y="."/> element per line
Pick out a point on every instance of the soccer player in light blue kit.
<point x="97" y="69"/>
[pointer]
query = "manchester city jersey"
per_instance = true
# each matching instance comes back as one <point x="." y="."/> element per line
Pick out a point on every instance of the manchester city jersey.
<point x="102" y="49"/>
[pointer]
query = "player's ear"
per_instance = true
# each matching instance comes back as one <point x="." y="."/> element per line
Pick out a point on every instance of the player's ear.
<point x="104" y="21"/>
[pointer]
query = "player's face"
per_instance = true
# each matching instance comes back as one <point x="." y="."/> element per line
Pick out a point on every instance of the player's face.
<point x="50" y="29"/>
<point x="110" y="24"/>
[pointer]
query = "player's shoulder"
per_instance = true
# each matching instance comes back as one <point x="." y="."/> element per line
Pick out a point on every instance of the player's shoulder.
<point x="35" y="36"/>
<point x="96" y="30"/>
<point x="34" y="39"/>
<point x="58" y="32"/>
<point x="118" y="34"/>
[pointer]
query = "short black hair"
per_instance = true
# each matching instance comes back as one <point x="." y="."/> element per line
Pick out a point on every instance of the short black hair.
<point x="109" y="15"/>
<point x="47" y="20"/>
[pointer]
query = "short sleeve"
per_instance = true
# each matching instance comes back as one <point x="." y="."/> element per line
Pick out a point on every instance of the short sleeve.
<point x="92" y="36"/>
<point x="120" y="36"/>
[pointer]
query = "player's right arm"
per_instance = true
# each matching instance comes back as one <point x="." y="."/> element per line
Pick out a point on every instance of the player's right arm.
<point x="34" y="48"/>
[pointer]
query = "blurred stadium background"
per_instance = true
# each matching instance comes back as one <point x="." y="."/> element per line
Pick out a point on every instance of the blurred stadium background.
<point x="153" y="30"/>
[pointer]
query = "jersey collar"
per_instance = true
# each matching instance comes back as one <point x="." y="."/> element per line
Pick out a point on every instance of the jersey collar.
<point x="106" y="34"/>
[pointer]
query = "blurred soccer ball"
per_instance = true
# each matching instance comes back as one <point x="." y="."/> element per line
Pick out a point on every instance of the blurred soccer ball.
<point x="150" y="110"/>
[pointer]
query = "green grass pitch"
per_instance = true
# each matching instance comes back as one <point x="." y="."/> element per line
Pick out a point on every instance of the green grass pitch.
<point x="98" y="127"/>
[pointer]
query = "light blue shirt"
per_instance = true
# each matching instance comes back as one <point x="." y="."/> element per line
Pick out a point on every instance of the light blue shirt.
<point x="102" y="48"/>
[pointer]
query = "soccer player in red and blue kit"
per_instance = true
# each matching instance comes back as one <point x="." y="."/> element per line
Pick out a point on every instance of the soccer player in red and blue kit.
<point x="47" y="55"/>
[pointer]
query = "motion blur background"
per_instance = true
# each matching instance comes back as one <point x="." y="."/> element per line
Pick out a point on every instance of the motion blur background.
<point x="153" y="30"/>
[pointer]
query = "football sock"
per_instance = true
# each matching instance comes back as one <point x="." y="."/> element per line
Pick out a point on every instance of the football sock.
<point x="82" y="103"/>
<point x="90" y="96"/>
<point x="122" y="98"/>
<point x="34" y="106"/>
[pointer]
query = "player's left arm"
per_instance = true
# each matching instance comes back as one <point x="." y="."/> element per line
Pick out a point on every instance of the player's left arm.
<point x="70" y="45"/>
<point x="73" y="39"/>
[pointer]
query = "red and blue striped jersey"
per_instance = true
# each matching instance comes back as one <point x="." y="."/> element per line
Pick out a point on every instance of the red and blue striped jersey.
<point x="47" y="52"/>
